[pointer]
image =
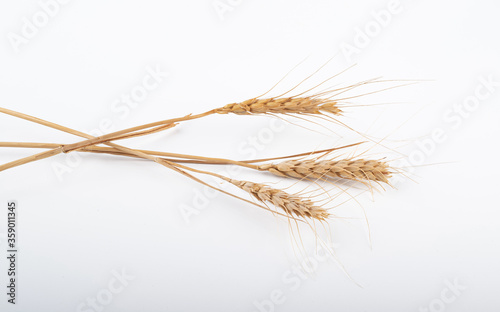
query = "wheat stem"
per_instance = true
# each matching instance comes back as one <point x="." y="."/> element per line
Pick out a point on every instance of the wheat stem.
<point x="126" y="151"/>
<point x="90" y="138"/>
<point x="179" y="157"/>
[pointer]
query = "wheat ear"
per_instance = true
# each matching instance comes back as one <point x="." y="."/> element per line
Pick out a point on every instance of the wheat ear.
<point x="356" y="169"/>
<point x="293" y="205"/>
<point x="293" y="105"/>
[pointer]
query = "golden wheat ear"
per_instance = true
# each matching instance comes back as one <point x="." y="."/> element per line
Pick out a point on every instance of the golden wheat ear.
<point x="292" y="205"/>
<point x="288" y="105"/>
<point x="356" y="169"/>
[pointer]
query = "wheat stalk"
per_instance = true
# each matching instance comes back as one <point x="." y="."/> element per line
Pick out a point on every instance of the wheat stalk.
<point x="304" y="105"/>
<point x="358" y="170"/>
<point x="293" y="205"/>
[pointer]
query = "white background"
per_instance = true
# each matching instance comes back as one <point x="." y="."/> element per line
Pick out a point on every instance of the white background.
<point x="106" y="214"/>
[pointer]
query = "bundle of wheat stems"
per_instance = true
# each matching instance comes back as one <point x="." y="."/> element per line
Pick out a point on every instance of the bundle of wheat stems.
<point x="304" y="167"/>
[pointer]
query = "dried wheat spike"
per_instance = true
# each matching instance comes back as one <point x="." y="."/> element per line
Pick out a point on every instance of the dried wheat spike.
<point x="358" y="169"/>
<point x="291" y="204"/>
<point x="293" y="105"/>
